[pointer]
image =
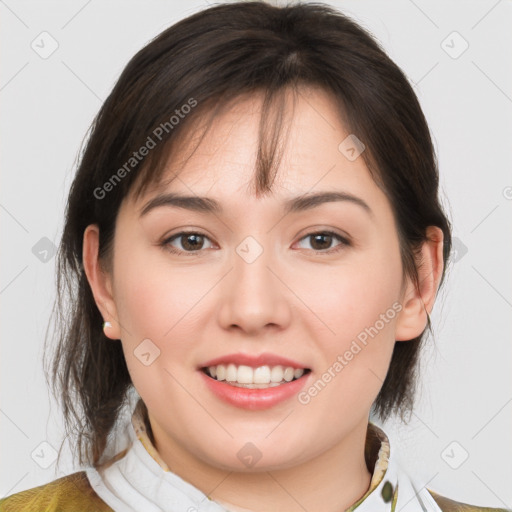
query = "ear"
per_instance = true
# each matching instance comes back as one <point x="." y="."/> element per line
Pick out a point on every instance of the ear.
<point x="100" y="281"/>
<point x="418" y="303"/>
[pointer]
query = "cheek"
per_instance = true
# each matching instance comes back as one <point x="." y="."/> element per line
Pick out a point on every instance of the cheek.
<point x="353" y="297"/>
<point x="358" y="305"/>
<point x="152" y="295"/>
<point x="162" y="330"/>
<point x="156" y="302"/>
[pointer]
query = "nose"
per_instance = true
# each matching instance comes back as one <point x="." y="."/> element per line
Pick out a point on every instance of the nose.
<point x="255" y="295"/>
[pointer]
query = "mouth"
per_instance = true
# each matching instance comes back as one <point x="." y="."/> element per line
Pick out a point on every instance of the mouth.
<point x="261" y="377"/>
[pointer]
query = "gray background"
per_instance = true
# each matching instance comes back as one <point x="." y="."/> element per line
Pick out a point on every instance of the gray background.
<point x="465" y="398"/>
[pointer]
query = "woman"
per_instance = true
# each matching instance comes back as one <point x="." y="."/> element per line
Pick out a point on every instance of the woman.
<point x="253" y="246"/>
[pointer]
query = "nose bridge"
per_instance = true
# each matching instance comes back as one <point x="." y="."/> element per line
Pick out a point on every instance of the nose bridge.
<point x="255" y="296"/>
<point x="252" y="259"/>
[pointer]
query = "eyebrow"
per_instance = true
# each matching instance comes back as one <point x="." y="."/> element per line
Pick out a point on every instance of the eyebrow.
<point x="209" y="205"/>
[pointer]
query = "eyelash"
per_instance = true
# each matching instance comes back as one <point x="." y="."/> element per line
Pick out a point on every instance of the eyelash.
<point x="165" y="243"/>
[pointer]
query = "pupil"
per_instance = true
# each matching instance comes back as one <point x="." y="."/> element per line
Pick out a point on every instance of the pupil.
<point x="193" y="245"/>
<point x="316" y="237"/>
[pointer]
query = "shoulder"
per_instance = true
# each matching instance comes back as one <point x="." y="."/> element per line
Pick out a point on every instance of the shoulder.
<point x="448" y="505"/>
<point x="69" y="493"/>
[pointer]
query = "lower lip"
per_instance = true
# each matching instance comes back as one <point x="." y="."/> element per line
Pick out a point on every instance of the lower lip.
<point x="254" y="399"/>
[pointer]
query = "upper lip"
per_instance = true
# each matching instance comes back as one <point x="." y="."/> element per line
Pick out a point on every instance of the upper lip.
<point x="255" y="361"/>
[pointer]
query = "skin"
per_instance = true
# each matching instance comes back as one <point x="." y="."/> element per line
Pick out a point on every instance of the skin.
<point x="293" y="300"/>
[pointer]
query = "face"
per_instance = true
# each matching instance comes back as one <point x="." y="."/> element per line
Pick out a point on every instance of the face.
<point x="315" y="287"/>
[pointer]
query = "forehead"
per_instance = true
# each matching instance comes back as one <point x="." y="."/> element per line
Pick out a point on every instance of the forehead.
<point x="312" y="139"/>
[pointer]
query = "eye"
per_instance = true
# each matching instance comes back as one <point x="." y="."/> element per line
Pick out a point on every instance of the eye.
<point x="321" y="241"/>
<point x="191" y="242"/>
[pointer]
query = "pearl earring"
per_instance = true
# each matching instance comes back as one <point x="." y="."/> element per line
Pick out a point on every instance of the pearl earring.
<point x="106" y="324"/>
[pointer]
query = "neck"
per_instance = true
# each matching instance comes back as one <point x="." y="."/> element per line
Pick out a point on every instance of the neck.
<point x="336" y="478"/>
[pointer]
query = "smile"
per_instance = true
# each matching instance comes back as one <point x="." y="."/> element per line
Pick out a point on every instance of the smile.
<point x="252" y="395"/>
<point x="261" y="377"/>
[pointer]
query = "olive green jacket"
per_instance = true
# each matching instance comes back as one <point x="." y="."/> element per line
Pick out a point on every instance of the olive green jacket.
<point x="117" y="486"/>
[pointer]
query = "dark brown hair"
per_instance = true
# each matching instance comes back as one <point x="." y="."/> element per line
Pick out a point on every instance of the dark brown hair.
<point x="205" y="62"/>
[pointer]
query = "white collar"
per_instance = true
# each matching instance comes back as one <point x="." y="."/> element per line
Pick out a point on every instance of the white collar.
<point x="139" y="480"/>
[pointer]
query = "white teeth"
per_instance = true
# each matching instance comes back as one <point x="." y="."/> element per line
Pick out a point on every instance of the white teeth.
<point x="263" y="375"/>
<point x="244" y="375"/>
<point x="288" y="374"/>
<point x="276" y="374"/>
<point x="221" y="372"/>
<point x="231" y="372"/>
